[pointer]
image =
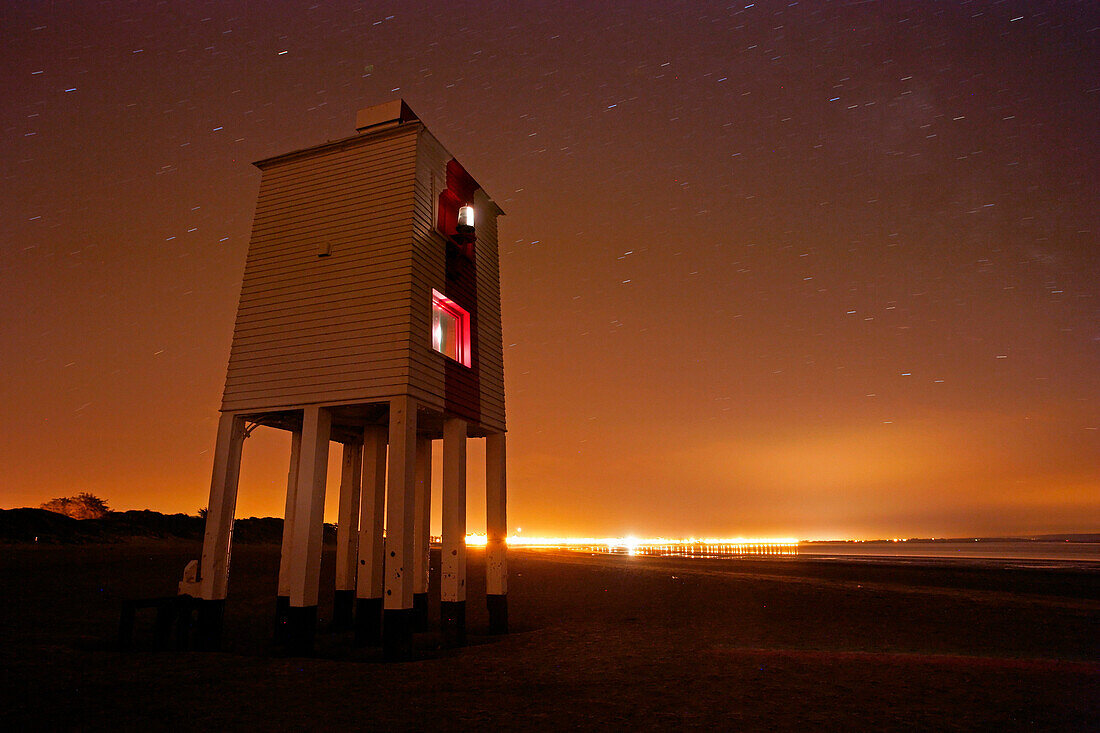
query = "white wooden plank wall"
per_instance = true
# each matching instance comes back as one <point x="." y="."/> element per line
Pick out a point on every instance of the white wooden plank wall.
<point x="429" y="263"/>
<point x="430" y="251"/>
<point x="490" y="339"/>
<point x="355" y="326"/>
<point x="323" y="329"/>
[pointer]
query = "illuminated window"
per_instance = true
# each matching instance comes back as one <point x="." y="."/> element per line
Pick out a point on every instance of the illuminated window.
<point x="450" y="328"/>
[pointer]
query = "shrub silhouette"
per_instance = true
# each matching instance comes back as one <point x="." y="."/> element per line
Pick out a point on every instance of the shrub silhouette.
<point x="81" y="506"/>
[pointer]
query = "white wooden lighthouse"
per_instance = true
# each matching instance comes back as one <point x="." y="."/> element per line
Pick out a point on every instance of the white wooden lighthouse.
<point x="369" y="316"/>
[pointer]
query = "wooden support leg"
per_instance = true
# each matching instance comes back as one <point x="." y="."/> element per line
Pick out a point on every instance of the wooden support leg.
<point x="453" y="565"/>
<point x="305" y="549"/>
<point x="369" y="585"/>
<point x="347" y="535"/>
<point x="400" y="517"/>
<point x="421" y="532"/>
<point x="282" y="600"/>
<point x="496" y="530"/>
<point x="217" y="540"/>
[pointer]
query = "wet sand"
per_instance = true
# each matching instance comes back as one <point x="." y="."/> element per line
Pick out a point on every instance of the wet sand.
<point x="606" y="642"/>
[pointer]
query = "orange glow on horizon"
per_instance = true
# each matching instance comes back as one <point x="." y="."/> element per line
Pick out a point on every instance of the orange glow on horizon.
<point x="819" y="315"/>
<point x="631" y="544"/>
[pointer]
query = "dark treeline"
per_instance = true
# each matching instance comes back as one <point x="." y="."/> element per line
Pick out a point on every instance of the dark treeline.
<point x="40" y="525"/>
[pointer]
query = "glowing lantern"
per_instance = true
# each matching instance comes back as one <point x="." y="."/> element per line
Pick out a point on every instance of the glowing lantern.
<point x="466" y="216"/>
<point x="464" y="230"/>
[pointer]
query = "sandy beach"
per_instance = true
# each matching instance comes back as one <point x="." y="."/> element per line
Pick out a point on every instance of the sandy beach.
<point x="597" y="642"/>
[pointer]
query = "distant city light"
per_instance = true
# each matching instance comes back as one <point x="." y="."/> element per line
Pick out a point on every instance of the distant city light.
<point x="631" y="545"/>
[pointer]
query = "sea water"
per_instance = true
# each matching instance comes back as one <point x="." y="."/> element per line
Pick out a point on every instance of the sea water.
<point x="1029" y="553"/>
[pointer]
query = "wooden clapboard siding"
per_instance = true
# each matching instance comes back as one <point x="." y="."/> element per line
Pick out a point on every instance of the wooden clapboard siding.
<point x="463" y="384"/>
<point x="461" y="389"/>
<point x="485" y="406"/>
<point x="311" y="327"/>
<point x="355" y="326"/>
<point x="429" y="265"/>
<point x="347" y="394"/>
<point x="321" y="329"/>
<point x="288" y="260"/>
<point x="490" y="339"/>
<point x="338" y="339"/>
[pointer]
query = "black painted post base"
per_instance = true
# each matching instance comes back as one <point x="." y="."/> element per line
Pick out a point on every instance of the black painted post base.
<point x="282" y="610"/>
<point x="420" y="611"/>
<point x="397" y="634"/>
<point x="301" y="628"/>
<point x="184" y="622"/>
<point x="343" y="603"/>
<point x="498" y="613"/>
<point x="368" y="621"/>
<point x="208" y="631"/>
<point x="452" y="622"/>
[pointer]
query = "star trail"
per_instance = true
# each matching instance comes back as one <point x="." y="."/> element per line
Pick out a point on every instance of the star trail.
<point x="812" y="269"/>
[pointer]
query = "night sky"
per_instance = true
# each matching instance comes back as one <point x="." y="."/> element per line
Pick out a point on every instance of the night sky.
<point x="778" y="269"/>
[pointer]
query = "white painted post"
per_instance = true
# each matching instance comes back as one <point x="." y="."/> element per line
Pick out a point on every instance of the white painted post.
<point x="308" y="528"/>
<point x="369" y="585"/>
<point x="347" y="534"/>
<point x="496" y="530"/>
<point x="282" y="600"/>
<point x="400" y="518"/>
<point x="421" y="532"/>
<point x="453" y="564"/>
<point x="217" y="539"/>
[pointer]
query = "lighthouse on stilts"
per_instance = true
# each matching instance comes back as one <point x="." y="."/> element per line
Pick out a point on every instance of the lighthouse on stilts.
<point x="369" y="316"/>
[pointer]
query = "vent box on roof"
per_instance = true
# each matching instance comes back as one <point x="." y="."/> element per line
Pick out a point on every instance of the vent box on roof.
<point x="381" y="114"/>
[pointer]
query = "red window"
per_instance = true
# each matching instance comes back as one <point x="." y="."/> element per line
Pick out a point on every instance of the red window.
<point x="447" y="216"/>
<point x="450" y="328"/>
<point x="459" y="191"/>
